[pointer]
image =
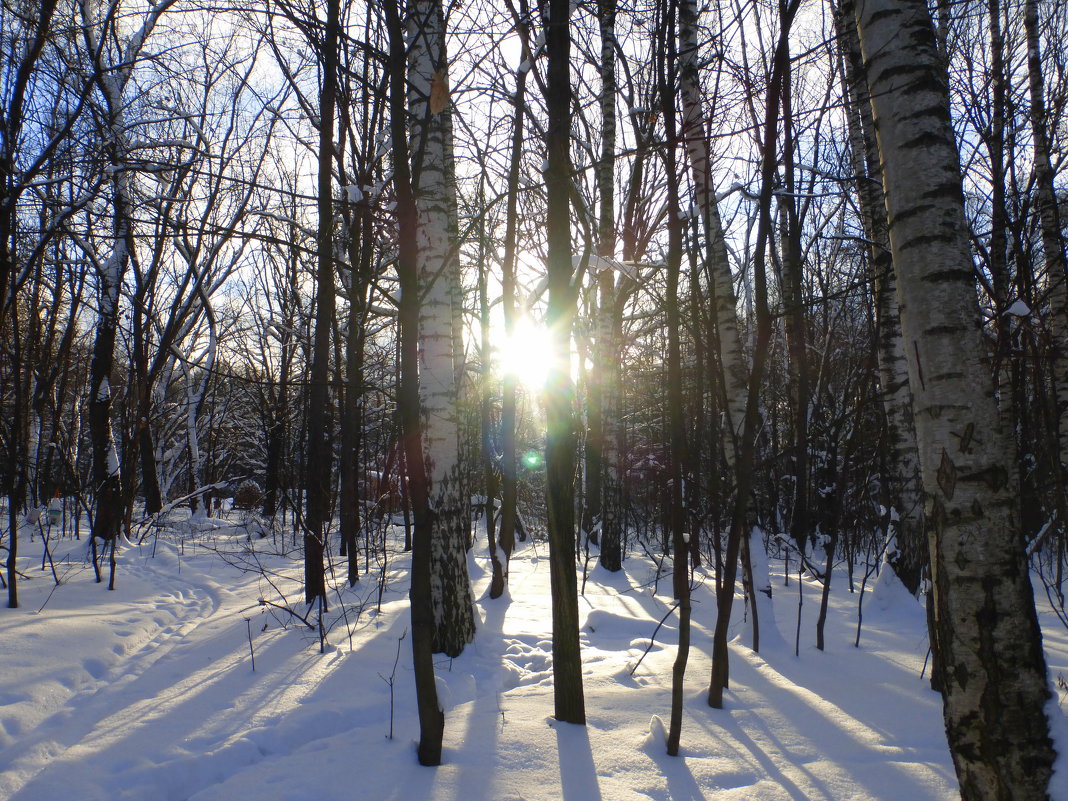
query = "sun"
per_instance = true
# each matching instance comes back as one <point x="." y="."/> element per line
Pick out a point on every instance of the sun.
<point x="526" y="355"/>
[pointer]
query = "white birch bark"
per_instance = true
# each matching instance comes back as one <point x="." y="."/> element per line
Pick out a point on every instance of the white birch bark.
<point x="435" y="193"/>
<point x="991" y="661"/>
<point x="906" y="550"/>
<point x="724" y="301"/>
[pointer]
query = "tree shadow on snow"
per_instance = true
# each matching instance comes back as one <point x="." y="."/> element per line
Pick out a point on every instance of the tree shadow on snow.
<point x="578" y="774"/>
<point x="682" y="786"/>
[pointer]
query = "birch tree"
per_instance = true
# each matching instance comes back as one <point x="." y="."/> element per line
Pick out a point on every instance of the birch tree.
<point x="992" y="666"/>
<point x="725" y="304"/>
<point x="434" y="183"/>
<point x="907" y="552"/>
<point x="431" y="717"/>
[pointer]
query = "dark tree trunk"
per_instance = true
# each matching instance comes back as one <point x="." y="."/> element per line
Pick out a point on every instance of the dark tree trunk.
<point x="149" y="470"/>
<point x="794" y="322"/>
<point x="319" y="470"/>
<point x="361" y="253"/>
<point x="676" y="425"/>
<point x="509" y="494"/>
<point x="560" y="443"/>
<point x="105" y="463"/>
<point x="491" y="475"/>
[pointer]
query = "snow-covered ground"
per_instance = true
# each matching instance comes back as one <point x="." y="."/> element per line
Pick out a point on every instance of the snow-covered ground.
<point x="148" y="692"/>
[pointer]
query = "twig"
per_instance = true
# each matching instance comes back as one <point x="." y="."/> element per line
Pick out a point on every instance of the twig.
<point x="869" y="569"/>
<point x="252" y="653"/>
<point x="652" y="638"/>
<point x="806" y="563"/>
<point x="1041" y="536"/>
<point x="55" y="587"/>
<point x="303" y="619"/>
<point x="390" y="680"/>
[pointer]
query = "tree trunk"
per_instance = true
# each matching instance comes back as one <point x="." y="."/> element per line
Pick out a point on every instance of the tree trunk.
<point x="509" y="494"/>
<point x="992" y="666"/>
<point x="435" y="198"/>
<point x="320" y="454"/>
<point x="431" y="718"/>
<point x="16" y="468"/>
<point x="676" y="424"/>
<point x="361" y="253"/>
<point x="560" y="444"/>
<point x="745" y="455"/>
<point x="1053" y="246"/>
<point x="491" y="476"/>
<point x="907" y="553"/>
<point x="105" y="459"/>
<point x="604" y="288"/>
<point x="735" y="377"/>
<point x="793" y="302"/>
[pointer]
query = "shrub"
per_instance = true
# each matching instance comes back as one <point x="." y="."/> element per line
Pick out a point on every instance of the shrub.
<point x="248" y="495"/>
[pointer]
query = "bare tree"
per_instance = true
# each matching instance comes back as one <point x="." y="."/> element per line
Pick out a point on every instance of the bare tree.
<point x="560" y="443"/>
<point x="114" y="50"/>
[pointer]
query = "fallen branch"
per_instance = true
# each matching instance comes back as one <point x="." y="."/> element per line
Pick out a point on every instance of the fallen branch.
<point x="652" y="639"/>
<point x="294" y="613"/>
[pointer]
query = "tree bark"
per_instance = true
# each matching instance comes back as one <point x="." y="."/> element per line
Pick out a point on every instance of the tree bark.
<point x="560" y="444"/>
<point x="676" y="425"/>
<point x="745" y="455"/>
<point x="735" y="377"/>
<point x="320" y="453"/>
<point x="907" y="553"/>
<point x="801" y="522"/>
<point x="509" y="487"/>
<point x="993" y="669"/>
<point x="491" y="475"/>
<point x="361" y="253"/>
<point x="435" y="198"/>
<point x="431" y="717"/>
<point x="604" y="287"/>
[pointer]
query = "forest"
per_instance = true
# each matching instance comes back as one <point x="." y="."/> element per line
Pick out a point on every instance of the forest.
<point x="701" y="285"/>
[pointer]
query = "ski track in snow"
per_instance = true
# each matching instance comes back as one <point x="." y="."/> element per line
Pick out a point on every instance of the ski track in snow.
<point x="148" y="694"/>
<point x="131" y="689"/>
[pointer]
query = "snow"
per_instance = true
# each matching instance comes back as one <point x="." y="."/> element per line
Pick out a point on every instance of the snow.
<point x="149" y="691"/>
<point x="113" y="458"/>
<point x="1018" y="309"/>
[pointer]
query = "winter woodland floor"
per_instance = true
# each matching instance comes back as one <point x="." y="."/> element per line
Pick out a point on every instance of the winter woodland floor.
<point x="148" y="692"/>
